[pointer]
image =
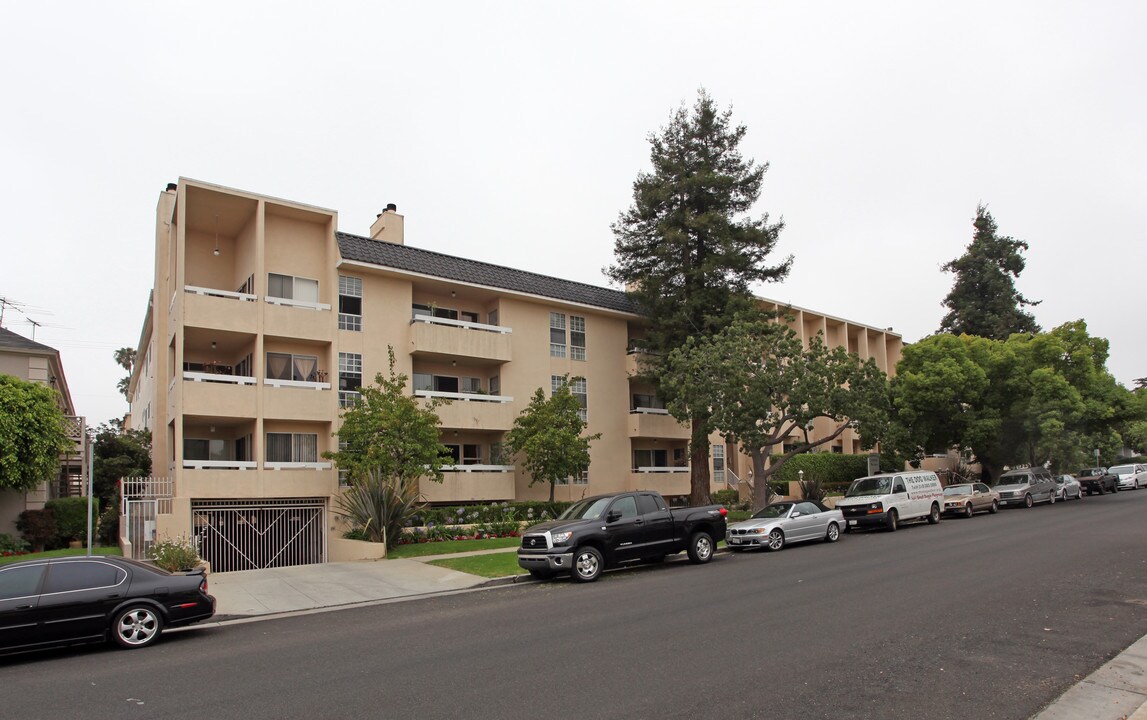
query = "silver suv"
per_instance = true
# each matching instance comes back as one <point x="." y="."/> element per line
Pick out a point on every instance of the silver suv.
<point x="1026" y="486"/>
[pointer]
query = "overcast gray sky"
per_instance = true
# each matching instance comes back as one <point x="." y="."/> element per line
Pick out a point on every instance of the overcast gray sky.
<point x="512" y="133"/>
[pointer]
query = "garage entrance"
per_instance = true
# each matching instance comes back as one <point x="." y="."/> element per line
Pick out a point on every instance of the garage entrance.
<point x="258" y="534"/>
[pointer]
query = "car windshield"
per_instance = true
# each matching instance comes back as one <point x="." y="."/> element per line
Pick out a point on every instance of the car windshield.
<point x="958" y="490"/>
<point x="1090" y="472"/>
<point x="589" y="509"/>
<point x="776" y="510"/>
<point x="869" y="486"/>
<point x="1012" y="480"/>
<point x="1122" y="470"/>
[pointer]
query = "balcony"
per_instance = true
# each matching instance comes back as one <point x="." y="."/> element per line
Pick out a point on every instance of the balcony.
<point x="655" y="423"/>
<point x="665" y="480"/>
<point x="444" y="337"/>
<point x="298" y="320"/>
<point x="305" y="480"/>
<point x="298" y="400"/>
<point x="467" y="483"/>
<point x="472" y="411"/>
<point x="220" y="309"/>
<point x="209" y="394"/>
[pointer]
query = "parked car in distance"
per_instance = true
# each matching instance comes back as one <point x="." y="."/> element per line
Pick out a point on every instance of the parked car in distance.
<point x="73" y="600"/>
<point x="1097" y="480"/>
<point x="781" y="523"/>
<point x="1069" y="487"/>
<point x="1026" y="487"/>
<point x="885" y="500"/>
<point x="968" y="499"/>
<point x="1131" y="477"/>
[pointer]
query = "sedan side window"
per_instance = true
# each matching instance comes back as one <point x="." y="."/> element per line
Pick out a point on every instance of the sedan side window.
<point x="807" y="508"/>
<point x="20" y="582"/>
<point x="72" y="576"/>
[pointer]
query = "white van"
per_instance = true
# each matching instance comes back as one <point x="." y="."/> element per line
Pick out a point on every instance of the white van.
<point x="884" y="500"/>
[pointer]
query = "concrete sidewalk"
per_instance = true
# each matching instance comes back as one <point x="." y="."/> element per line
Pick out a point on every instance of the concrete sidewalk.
<point x="1116" y="691"/>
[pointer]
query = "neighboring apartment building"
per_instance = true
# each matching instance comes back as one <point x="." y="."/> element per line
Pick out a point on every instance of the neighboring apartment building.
<point x="264" y="319"/>
<point x="35" y="362"/>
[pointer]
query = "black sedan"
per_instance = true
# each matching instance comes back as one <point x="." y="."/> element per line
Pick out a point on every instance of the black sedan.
<point x="64" y="601"/>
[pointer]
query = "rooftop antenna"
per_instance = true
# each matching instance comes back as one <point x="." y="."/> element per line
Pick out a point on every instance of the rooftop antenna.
<point x="34" y="325"/>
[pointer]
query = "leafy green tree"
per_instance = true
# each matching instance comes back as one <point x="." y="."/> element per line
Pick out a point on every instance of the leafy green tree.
<point x="762" y="385"/>
<point x="984" y="300"/>
<point x="688" y="252"/>
<point x="1032" y="399"/>
<point x="390" y="440"/>
<point x="32" y="433"/>
<point x="548" y="434"/>
<point x="118" y="454"/>
<point x="391" y="432"/>
<point x="125" y="358"/>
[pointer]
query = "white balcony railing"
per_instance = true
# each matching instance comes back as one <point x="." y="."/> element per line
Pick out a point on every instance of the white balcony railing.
<point x="298" y="303"/>
<point x="212" y="292"/>
<point x="296" y="465"/>
<point x="658" y="469"/>
<point x="218" y="465"/>
<point x="464" y="397"/>
<point x="216" y="378"/>
<point x="649" y="411"/>
<point x="478" y="468"/>
<point x="431" y="320"/>
<point x="273" y="382"/>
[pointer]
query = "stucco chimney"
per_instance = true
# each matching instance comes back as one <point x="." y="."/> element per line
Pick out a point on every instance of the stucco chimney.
<point x="389" y="225"/>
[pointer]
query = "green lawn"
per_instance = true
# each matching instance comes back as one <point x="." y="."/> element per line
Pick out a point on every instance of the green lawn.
<point x="494" y="565"/>
<point x="449" y="547"/>
<point x="60" y="553"/>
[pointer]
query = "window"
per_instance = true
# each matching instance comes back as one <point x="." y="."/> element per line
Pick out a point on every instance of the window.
<point x="627" y="506"/>
<point x="497" y="454"/>
<point x="557" y="335"/>
<point x="495" y="385"/>
<point x="288" y="287"/>
<point x="472" y="385"/>
<point x="436" y="383"/>
<point x="650" y="458"/>
<point x="21" y="582"/>
<point x="245" y="367"/>
<point x="243" y="449"/>
<point x="465" y="454"/>
<point x="350" y="303"/>
<point x="292" y="447"/>
<point x="719" y="463"/>
<point x="284" y="366"/>
<point x="582" y="478"/>
<point x="492" y="318"/>
<point x="469" y="316"/>
<point x="650" y="402"/>
<point x="350" y="378"/>
<point x="204" y="449"/>
<point x="578" y="388"/>
<point x="73" y="576"/>
<point x="577" y="338"/>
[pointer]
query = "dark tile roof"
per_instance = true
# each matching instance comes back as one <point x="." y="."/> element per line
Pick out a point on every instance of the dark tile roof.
<point x="449" y="267"/>
<point x="11" y="341"/>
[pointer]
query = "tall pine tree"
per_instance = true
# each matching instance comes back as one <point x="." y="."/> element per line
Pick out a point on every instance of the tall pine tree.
<point x="984" y="301"/>
<point x="687" y="251"/>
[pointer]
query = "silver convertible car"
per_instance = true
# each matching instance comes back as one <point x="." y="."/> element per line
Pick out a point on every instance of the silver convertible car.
<point x="780" y="523"/>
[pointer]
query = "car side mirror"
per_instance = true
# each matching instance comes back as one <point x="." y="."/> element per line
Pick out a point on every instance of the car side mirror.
<point x="612" y="516"/>
<point x="796" y="514"/>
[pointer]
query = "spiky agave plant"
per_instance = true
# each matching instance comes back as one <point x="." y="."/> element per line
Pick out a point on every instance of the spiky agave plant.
<point x="380" y="505"/>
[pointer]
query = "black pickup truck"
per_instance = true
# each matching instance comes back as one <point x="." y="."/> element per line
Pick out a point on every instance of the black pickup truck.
<point x="605" y="530"/>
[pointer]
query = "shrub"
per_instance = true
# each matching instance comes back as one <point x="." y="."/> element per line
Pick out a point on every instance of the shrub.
<point x="380" y="506"/>
<point x="109" y="523"/>
<point x="827" y="468"/>
<point x="38" y="528"/>
<point x="71" y="515"/>
<point x="12" y="546"/>
<point x="173" y="555"/>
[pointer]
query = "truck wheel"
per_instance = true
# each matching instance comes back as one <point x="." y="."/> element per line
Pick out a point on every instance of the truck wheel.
<point x="776" y="540"/>
<point x="587" y="564"/>
<point x="1102" y="490"/>
<point x="995" y="507"/>
<point x="541" y="574"/>
<point x="934" y="514"/>
<point x="893" y="520"/>
<point x="833" y="533"/>
<point x="700" y="547"/>
<point x="968" y="511"/>
<point x="1051" y="500"/>
<point x="1028" y="502"/>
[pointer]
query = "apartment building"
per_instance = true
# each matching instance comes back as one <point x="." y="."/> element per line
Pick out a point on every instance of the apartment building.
<point x="265" y="319"/>
<point x="35" y="362"/>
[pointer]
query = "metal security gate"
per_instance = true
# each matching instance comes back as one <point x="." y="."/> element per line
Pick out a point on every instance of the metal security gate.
<point x="258" y="534"/>
<point x="144" y="500"/>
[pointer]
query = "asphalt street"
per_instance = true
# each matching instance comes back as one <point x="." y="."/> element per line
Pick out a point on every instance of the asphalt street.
<point x="988" y="617"/>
